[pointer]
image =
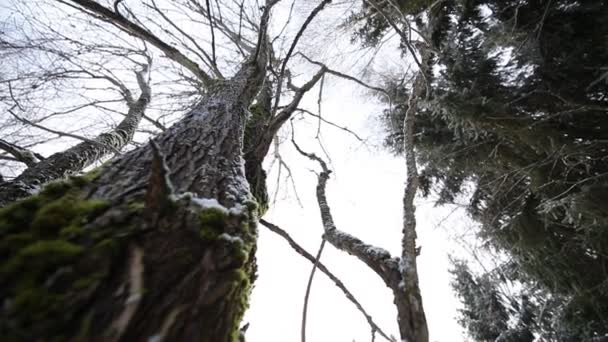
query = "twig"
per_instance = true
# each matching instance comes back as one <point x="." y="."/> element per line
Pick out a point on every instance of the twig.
<point x="319" y="101"/>
<point x="310" y="17"/>
<point x="300" y="250"/>
<point x="116" y="19"/>
<point x="331" y="123"/>
<point x="64" y="134"/>
<point x="214" y="61"/>
<point x="308" y="288"/>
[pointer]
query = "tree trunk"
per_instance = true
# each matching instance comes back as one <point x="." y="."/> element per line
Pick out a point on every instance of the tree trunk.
<point x="158" y="245"/>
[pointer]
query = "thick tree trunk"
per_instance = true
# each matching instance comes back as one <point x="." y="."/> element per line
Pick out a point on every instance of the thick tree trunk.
<point x="159" y="245"/>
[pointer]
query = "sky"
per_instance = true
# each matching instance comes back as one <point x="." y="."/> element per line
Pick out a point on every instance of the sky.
<point x="365" y="194"/>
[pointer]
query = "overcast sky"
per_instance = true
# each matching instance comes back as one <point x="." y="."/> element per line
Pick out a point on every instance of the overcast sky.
<point x="365" y="194"/>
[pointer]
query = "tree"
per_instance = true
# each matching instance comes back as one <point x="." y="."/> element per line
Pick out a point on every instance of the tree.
<point x="518" y="106"/>
<point x="159" y="242"/>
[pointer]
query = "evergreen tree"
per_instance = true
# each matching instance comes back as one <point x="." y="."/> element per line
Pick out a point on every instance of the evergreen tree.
<point x="518" y="115"/>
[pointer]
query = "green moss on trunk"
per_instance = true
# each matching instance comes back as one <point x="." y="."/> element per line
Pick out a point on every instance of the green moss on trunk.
<point x="65" y="271"/>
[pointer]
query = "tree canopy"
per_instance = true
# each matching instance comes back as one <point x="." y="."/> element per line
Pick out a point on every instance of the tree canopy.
<point x="517" y="125"/>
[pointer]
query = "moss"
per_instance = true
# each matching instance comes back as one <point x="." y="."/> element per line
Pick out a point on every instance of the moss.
<point x="34" y="302"/>
<point x="56" y="189"/>
<point x="58" y="205"/>
<point x="45" y="274"/>
<point x="239" y="276"/>
<point x="38" y="256"/>
<point x="69" y="210"/>
<point x="213" y="217"/>
<point x="108" y="245"/>
<point x="240" y="290"/>
<point x="86" y="178"/>
<point x="89" y="281"/>
<point x="14" y="242"/>
<point x="54" y="215"/>
<point x="237" y="250"/>
<point x="136" y="206"/>
<point x="58" y="258"/>
<point x="85" y="327"/>
<point x="70" y="232"/>
<point x="17" y="216"/>
<point x="209" y="233"/>
<point x="212" y="223"/>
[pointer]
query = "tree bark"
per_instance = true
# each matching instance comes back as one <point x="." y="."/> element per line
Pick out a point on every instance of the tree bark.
<point x="160" y="246"/>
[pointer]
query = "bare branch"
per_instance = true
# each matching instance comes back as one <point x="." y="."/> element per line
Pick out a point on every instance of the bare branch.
<point x="214" y="62"/>
<point x="344" y="76"/>
<point x="310" y="17"/>
<point x="210" y="61"/>
<point x="116" y="19"/>
<point x="308" y="289"/>
<point x="21" y="154"/>
<point x="78" y="157"/>
<point x="300" y="250"/>
<point x="377" y="259"/>
<point x="288" y="110"/>
<point x="345" y="129"/>
<point x="59" y="133"/>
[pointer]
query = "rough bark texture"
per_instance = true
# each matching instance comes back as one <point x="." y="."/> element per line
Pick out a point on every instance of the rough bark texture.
<point x="78" y="157"/>
<point x="157" y="246"/>
<point x="412" y="319"/>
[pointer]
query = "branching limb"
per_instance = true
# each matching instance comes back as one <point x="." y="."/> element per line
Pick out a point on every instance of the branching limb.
<point x="300" y="250"/>
<point x="409" y="304"/>
<point x="294" y="43"/>
<point x="20" y="154"/>
<point x="286" y="112"/>
<point x="263" y="146"/>
<point x="344" y="76"/>
<point x="377" y="259"/>
<point x="118" y="20"/>
<point x="77" y="157"/>
<point x="345" y="129"/>
<point x="408" y="242"/>
<point x="400" y="275"/>
<point x="54" y="131"/>
<point x="282" y="165"/>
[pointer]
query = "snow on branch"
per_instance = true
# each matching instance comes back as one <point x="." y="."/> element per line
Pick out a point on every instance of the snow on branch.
<point x="378" y="259"/>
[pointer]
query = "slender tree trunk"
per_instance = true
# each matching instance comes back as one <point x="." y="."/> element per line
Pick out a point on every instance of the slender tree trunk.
<point x="410" y="311"/>
<point x="158" y="246"/>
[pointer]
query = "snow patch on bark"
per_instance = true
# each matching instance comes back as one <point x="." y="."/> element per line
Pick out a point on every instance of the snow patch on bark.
<point x="209" y="203"/>
<point x="231" y="238"/>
